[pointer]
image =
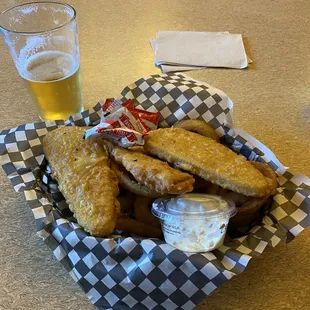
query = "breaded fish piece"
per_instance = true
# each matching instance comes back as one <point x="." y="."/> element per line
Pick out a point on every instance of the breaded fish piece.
<point x="158" y="176"/>
<point x="85" y="179"/>
<point x="129" y="183"/>
<point x="208" y="159"/>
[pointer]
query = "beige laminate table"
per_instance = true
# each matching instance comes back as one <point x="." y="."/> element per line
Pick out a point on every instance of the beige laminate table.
<point x="271" y="102"/>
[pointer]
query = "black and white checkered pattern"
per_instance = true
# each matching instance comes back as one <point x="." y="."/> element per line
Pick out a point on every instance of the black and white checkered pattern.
<point x="136" y="273"/>
<point x="177" y="97"/>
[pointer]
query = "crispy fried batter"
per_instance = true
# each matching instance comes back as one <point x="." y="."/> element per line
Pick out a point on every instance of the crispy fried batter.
<point x="200" y="127"/>
<point x="126" y="180"/>
<point x="208" y="159"/>
<point x="269" y="174"/>
<point x="126" y="201"/>
<point x="158" y="176"/>
<point x="143" y="212"/>
<point x="85" y="178"/>
<point x="142" y="229"/>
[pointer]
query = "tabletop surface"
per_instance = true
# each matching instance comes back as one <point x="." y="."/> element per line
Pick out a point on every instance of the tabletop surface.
<point x="271" y="102"/>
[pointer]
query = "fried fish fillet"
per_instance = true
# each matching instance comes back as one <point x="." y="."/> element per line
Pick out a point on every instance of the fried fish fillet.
<point x="158" y="176"/>
<point x="208" y="159"/>
<point x="85" y="179"/>
<point x="130" y="184"/>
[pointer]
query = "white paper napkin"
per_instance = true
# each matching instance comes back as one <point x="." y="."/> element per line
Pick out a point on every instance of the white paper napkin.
<point x="185" y="50"/>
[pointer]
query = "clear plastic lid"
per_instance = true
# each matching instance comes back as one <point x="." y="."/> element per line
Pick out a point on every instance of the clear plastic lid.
<point x="193" y="206"/>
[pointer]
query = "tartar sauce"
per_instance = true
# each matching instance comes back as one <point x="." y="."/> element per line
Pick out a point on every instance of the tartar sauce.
<point x="194" y="222"/>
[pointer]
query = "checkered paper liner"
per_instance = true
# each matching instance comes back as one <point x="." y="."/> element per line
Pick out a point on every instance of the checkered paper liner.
<point x="137" y="273"/>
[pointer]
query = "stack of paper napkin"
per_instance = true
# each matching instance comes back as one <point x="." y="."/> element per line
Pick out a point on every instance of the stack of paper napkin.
<point x="187" y="50"/>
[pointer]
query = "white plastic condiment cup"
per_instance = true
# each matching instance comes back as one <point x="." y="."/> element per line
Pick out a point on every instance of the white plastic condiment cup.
<point x="194" y="222"/>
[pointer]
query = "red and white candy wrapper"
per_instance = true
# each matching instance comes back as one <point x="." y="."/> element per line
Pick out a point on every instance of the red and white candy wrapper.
<point x="149" y="119"/>
<point x="122" y="123"/>
<point x="110" y="105"/>
<point x="122" y="136"/>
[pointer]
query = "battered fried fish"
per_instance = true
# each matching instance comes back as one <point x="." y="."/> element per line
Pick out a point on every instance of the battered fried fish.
<point x="85" y="178"/>
<point x="208" y="159"/>
<point x="158" y="176"/>
<point x="129" y="183"/>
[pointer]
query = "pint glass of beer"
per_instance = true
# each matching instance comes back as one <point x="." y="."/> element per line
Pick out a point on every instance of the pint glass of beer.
<point x="43" y="41"/>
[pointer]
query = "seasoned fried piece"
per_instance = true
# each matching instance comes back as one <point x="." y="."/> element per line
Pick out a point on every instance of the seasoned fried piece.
<point x="127" y="181"/>
<point x="249" y="212"/>
<point x="126" y="201"/>
<point x="85" y="179"/>
<point x="137" y="148"/>
<point x="158" y="176"/>
<point x="201" y="185"/>
<point x="139" y="228"/>
<point x="238" y="199"/>
<point x="143" y="212"/>
<point x="200" y="127"/>
<point x="208" y="159"/>
<point x="269" y="174"/>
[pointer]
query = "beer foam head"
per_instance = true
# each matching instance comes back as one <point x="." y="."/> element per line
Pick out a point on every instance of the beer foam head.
<point x="49" y="66"/>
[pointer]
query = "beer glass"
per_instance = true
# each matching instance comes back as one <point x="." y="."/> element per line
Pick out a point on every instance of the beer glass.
<point x="43" y="41"/>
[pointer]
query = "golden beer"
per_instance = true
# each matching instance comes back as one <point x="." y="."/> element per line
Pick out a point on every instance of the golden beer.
<point x="54" y="82"/>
